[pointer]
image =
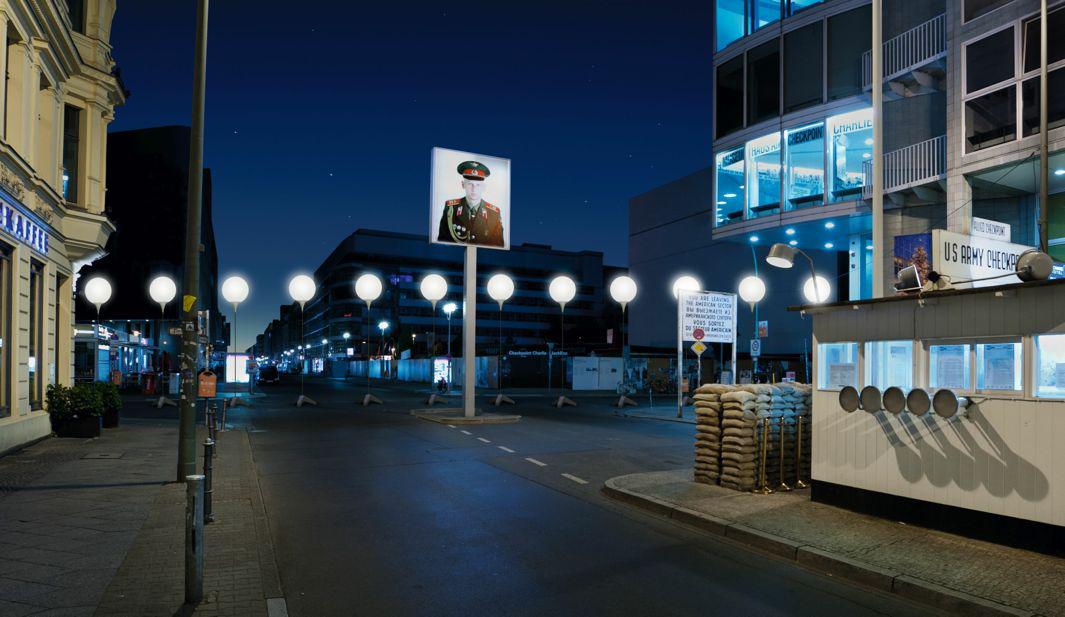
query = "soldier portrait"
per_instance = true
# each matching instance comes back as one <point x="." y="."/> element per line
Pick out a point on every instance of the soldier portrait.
<point x="474" y="218"/>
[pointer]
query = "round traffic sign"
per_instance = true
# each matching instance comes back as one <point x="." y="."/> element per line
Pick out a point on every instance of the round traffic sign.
<point x="698" y="334"/>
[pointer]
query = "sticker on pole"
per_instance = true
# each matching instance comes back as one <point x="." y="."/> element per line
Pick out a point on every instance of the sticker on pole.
<point x="710" y="312"/>
<point x="698" y="348"/>
<point x="756" y="347"/>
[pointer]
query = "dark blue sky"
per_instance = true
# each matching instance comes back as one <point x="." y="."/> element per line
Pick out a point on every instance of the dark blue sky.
<point x="321" y="115"/>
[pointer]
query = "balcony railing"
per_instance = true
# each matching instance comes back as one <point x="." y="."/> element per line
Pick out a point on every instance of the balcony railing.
<point x="909" y="50"/>
<point x="914" y="165"/>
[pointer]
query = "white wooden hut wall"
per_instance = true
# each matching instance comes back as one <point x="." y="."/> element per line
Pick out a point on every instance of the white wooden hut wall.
<point x="1007" y="457"/>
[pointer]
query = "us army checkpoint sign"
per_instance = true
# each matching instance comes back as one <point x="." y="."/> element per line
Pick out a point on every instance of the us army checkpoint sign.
<point x="469" y="199"/>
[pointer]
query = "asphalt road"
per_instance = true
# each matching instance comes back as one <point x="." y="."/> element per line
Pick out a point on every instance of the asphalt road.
<point x="374" y="512"/>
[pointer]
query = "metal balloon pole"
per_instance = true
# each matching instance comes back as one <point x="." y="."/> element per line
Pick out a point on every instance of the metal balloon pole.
<point x="433" y="396"/>
<point x="624" y="400"/>
<point x="500" y="397"/>
<point x="163" y="399"/>
<point x="238" y="401"/>
<point x="563" y="400"/>
<point x="369" y="399"/>
<point x="303" y="398"/>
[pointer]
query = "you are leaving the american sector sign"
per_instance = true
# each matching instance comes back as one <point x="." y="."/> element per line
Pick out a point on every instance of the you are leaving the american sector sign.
<point x="712" y="312"/>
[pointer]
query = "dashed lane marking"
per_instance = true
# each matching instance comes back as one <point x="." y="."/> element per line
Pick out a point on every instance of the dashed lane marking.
<point x="574" y="478"/>
<point x="483" y="439"/>
<point x="451" y="426"/>
<point x="466" y="433"/>
<point x="536" y="462"/>
<point x="505" y="449"/>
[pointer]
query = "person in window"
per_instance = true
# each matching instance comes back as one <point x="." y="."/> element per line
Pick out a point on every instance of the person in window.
<point x="471" y="219"/>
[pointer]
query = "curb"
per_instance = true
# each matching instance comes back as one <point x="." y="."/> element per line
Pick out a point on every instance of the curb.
<point x="913" y="589"/>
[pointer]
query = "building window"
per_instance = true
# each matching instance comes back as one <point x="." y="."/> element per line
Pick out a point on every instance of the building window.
<point x="837" y="365"/>
<point x="5" y="330"/>
<point x="57" y="348"/>
<point x="1055" y="44"/>
<point x="805" y="165"/>
<point x="989" y="61"/>
<point x="1055" y="104"/>
<point x="35" y="339"/>
<point x="849" y="37"/>
<point x="729" y="187"/>
<point x="763" y="82"/>
<point x="71" y="152"/>
<point x="850" y="146"/>
<point x="77" y="15"/>
<point x="889" y="363"/>
<point x="802" y="67"/>
<point x="991" y="119"/>
<point x="729" y="104"/>
<point x="998" y="366"/>
<point x="948" y="367"/>
<point x="976" y="8"/>
<point x="1050" y="365"/>
<point x="729" y="22"/>
<point x="794" y="6"/>
<point x="764" y="12"/>
<point x="763" y="176"/>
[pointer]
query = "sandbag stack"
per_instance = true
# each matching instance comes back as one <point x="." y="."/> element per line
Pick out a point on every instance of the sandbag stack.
<point x="708" y="432"/>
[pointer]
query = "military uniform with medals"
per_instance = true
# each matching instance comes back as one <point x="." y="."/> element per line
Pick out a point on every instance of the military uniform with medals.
<point x="461" y="223"/>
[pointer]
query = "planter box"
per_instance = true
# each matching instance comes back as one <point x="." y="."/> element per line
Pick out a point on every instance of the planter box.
<point x="110" y="419"/>
<point x="78" y="427"/>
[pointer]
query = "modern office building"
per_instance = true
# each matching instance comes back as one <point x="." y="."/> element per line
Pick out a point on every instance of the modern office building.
<point x="146" y="166"/>
<point x="60" y="88"/>
<point x="528" y="322"/>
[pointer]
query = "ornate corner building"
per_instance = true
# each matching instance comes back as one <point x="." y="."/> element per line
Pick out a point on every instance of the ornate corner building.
<point x="60" y="88"/>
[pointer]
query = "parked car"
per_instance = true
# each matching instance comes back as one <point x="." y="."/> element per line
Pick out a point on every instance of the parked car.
<point x="269" y="374"/>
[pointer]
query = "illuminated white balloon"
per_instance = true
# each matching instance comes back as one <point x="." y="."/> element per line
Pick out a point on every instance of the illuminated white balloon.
<point x="500" y="288"/>
<point x="685" y="283"/>
<point x="820" y="293"/>
<point x="235" y="290"/>
<point x="562" y="289"/>
<point x="301" y="288"/>
<point x="623" y="290"/>
<point x="434" y="288"/>
<point x="752" y="290"/>
<point x="162" y="290"/>
<point x="368" y="288"/>
<point x="97" y="291"/>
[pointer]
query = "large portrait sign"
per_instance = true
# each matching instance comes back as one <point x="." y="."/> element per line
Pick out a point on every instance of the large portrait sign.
<point x="470" y="199"/>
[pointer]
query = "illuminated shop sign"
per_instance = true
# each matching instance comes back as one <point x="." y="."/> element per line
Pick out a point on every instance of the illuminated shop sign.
<point x="18" y="224"/>
<point x="860" y="120"/>
<point x="813" y="132"/>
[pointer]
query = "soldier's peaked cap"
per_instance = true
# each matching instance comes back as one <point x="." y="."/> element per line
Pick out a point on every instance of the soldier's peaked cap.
<point x="473" y="170"/>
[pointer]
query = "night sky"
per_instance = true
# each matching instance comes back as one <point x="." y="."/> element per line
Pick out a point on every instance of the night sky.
<point x="321" y="115"/>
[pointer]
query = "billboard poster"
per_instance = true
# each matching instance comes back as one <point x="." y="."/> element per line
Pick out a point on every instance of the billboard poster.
<point x="470" y="199"/>
<point x="914" y="250"/>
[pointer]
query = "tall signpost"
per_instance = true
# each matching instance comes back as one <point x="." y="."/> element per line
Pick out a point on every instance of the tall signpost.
<point x="190" y="342"/>
<point x="479" y="218"/>
<point x="704" y="317"/>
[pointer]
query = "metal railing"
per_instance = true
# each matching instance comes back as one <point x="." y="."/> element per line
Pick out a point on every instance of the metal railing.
<point x="909" y="50"/>
<point x="914" y="165"/>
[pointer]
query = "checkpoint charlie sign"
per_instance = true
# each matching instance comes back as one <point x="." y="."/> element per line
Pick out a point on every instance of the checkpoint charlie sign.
<point x="709" y="313"/>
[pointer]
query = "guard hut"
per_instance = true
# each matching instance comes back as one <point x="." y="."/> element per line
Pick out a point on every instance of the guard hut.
<point x="945" y="409"/>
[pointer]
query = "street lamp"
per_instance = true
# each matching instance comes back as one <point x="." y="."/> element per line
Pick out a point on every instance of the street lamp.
<point x="301" y="289"/>
<point x="623" y="291"/>
<point x="682" y="284"/>
<point x="368" y="287"/>
<point x="562" y="289"/>
<point x="752" y="290"/>
<point x="434" y="288"/>
<point x="235" y="291"/>
<point x="500" y="289"/>
<point x="97" y="292"/>
<point x="162" y="290"/>
<point x="816" y="289"/>
<point x="783" y="256"/>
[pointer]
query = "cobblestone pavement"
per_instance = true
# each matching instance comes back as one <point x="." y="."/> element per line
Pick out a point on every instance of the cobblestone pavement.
<point x="1010" y="576"/>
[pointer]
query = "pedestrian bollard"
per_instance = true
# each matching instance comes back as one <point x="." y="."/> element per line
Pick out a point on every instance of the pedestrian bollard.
<point x="783" y="486"/>
<point x="193" y="539"/>
<point x="208" y="484"/>
<point x="224" y="408"/>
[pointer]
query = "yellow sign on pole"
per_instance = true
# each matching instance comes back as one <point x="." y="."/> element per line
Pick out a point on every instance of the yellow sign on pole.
<point x="699" y="347"/>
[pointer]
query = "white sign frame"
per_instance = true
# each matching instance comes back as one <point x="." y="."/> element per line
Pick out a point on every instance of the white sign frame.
<point x="446" y="185"/>
<point x="687" y="321"/>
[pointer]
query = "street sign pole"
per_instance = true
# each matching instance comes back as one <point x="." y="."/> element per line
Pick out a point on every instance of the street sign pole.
<point x="680" y="352"/>
<point x="733" y="339"/>
<point x="469" y="332"/>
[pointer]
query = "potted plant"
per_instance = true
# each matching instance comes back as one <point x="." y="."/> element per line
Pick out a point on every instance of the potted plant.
<point x="111" y="401"/>
<point x="75" y="412"/>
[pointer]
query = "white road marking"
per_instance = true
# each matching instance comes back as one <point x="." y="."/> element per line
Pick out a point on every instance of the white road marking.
<point x="483" y="439"/>
<point x="451" y="426"/>
<point x="466" y="433"/>
<point x="574" y="478"/>
<point x="536" y="462"/>
<point x="505" y="449"/>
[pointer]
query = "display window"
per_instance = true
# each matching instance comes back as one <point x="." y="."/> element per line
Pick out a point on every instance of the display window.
<point x="837" y="365"/>
<point x="850" y="145"/>
<point x="729" y="171"/>
<point x="1050" y="366"/>
<point x="949" y="366"/>
<point x="889" y="363"/>
<point x="998" y="366"/>
<point x="805" y="163"/>
<point x="763" y="176"/>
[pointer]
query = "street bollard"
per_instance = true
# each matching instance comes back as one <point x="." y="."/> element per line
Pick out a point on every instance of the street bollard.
<point x="208" y="484"/>
<point x="224" y="408"/>
<point x="193" y="539"/>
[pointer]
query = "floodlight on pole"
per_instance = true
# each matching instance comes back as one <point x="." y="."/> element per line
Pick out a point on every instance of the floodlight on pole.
<point x="562" y="289"/>
<point x="301" y="289"/>
<point x="623" y="291"/>
<point x="500" y="289"/>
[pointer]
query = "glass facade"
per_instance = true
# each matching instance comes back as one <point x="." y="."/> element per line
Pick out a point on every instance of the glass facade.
<point x="735" y="19"/>
<point x="33" y="361"/>
<point x="837" y="365"/>
<point x="991" y="119"/>
<point x="989" y="61"/>
<point x="998" y="366"/>
<point x="764" y="12"/>
<point x="729" y="107"/>
<point x="763" y="82"/>
<point x="889" y="363"/>
<point x="850" y="145"/>
<point x="729" y="18"/>
<point x="1050" y="365"/>
<point x="949" y="367"/>
<point x="805" y="165"/>
<point x="763" y="176"/>
<point x="802" y="67"/>
<point x="729" y="170"/>
<point x="849" y="37"/>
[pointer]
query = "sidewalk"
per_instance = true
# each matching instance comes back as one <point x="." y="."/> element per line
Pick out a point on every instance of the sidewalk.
<point x="92" y="527"/>
<point x="952" y="573"/>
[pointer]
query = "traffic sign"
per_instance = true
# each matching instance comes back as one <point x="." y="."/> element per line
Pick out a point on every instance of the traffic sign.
<point x="699" y="347"/>
<point x="763" y="329"/>
<point x="698" y="334"/>
<point x="756" y="347"/>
